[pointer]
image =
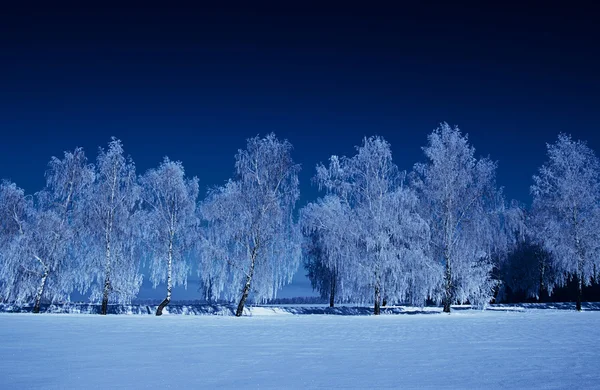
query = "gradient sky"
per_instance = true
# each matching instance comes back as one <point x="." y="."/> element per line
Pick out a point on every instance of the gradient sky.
<point x="193" y="83"/>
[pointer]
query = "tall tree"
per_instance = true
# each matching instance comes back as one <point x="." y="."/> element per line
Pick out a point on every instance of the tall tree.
<point x="110" y="207"/>
<point x="251" y="240"/>
<point x="14" y="210"/>
<point x="170" y="201"/>
<point x="566" y="199"/>
<point x="56" y="213"/>
<point x="388" y="234"/>
<point x="460" y="201"/>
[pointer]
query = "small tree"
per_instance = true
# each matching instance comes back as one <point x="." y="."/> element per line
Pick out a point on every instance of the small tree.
<point x="170" y="201"/>
<point x="328" y="246"/>
<point x="527" y="272"/>
<point x="566" y="199"/>
<point x="251" y="239"/>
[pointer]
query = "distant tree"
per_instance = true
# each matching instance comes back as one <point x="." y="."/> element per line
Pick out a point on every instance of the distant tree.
<point x="461" y="203"/>
<point x="328" y="247"/>
<point x="110" y="218"/>
<point x="527" y="272"/>
<point x="251" y="240"/>
<point x="388" y="235"/>
<point x="170" y="201"/>
<point x="566" y="199"/>
<point x="322" y="278"/>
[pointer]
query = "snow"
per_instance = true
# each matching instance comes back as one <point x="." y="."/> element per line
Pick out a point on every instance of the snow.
<point x="466" y="349"/>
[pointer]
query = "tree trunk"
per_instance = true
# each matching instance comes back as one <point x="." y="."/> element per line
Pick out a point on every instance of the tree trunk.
<point x="447" y="287"/>
<point x="332" y="292"/>
<point x="579" y="292"/>
<point x="40" y="292"/>
<point x="246" y="289"/>
<point x="384" y="303"/>
<point x="105" y="296"/>
<point x="377" y="308"/>
<point x="542" y="291"/>
<point x="106" y="290"/>
<point x="167" y="300"/>
<point x="163" y="304"/>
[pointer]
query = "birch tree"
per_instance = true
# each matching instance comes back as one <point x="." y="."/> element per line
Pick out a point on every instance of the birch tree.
<point x="14" y="208"/>
<point x="45" y="245"/>
<point x="54" y="236"/>
<point x="170" y="223"/>
<point x="251" y="242"/>
<point x="328" y="247"/>
<point x="566" y="198"/>
<point x="322" y="278"/>
<point x="388" y="234"/>
<point x="459" y="199"/>
<point x="110" y="206"/>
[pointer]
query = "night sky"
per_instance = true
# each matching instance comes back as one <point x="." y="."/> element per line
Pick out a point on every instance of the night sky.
<point x="194" y="83"/>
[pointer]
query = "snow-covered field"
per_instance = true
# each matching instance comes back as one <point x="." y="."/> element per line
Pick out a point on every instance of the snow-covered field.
<point x="467" y="350"/>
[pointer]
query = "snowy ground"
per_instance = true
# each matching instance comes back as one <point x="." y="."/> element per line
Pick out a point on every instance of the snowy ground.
<point x="467" y="349"/>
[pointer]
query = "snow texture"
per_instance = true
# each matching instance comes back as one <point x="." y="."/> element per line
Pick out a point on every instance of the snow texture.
<point x="543" y="349"/>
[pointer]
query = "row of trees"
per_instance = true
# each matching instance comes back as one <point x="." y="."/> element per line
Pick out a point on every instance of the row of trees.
<point x="95" y="227"/>
<point x="382" y="235"/>
<point x="442" y="232"/>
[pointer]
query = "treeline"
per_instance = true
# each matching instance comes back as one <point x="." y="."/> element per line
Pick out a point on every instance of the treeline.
<point x="441" y="233"/>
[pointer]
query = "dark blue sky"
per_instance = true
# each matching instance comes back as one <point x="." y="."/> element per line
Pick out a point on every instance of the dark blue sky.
<point x="194" y="83"/>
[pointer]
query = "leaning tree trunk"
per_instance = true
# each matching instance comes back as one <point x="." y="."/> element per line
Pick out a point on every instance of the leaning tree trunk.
<point x="447" y="287"/>
<point x="40" y="292"/>
<point x="167" y="300"/>
<point x="246" y="289"/>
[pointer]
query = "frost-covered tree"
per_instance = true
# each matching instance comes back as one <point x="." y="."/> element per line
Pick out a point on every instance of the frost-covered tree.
<point x="388" y="235"/>
<point x="14" y="209"/>
<point x="566" y="199"/>
<point x="322" y="278"/>
<point x="461" y="203"/>
<point x="251" y="243"/>
<point x="110" y="219"/>
<point x="328" y="247"/>
<point x="55" y="232"/>
<point x="45" y="246"/>
<point x="170" y="201"/>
